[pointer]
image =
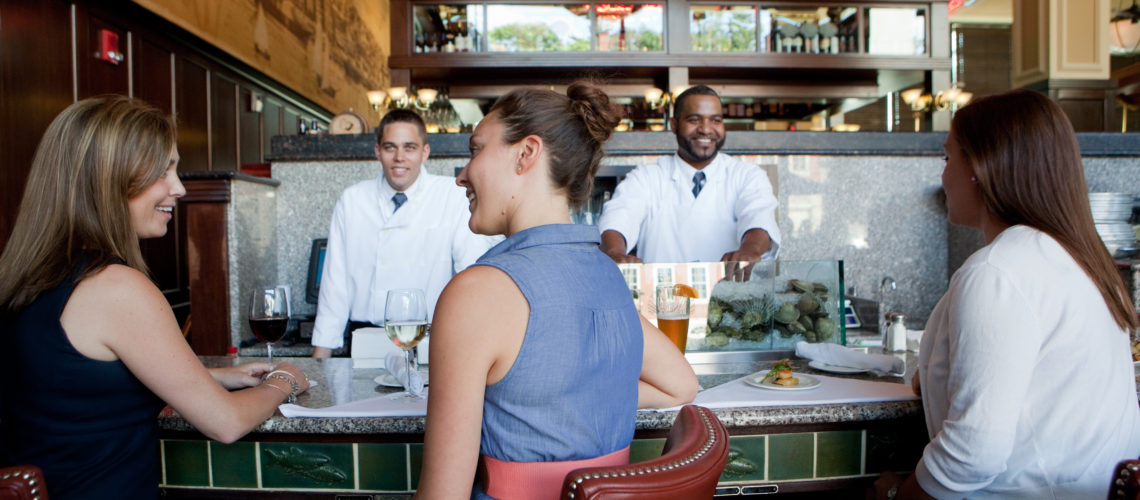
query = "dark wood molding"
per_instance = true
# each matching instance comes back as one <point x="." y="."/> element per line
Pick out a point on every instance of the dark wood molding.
<point x="206" y="191"/>
<point x="207" y="256"/>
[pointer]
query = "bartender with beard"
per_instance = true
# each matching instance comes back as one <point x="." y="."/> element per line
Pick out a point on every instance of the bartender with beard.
<point x="698" y="205"/>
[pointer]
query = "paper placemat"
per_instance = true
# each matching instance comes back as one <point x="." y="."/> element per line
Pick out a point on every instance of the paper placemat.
<point x="380" y="406"/>
<point x="832" y="390"/>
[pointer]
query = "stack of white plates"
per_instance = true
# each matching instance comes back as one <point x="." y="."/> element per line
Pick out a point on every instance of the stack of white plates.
<point x="1111" y="207"/>
<point x="1111" y="213"/>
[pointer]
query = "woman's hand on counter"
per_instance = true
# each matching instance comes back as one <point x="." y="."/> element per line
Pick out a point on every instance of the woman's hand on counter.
<point x="250" y="375"/>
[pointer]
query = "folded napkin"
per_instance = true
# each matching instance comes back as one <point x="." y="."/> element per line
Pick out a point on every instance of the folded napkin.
<point x="394" y="363"/>
<point x="835" y="354"/>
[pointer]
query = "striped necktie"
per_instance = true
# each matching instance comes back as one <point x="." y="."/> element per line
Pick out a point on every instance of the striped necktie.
<point x="399" y="199"/>
<point x="698" y="183"/>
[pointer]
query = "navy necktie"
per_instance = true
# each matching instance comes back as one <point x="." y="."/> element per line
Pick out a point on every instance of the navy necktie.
<point x="698" y="183"/>
<point x="399" y="199"/>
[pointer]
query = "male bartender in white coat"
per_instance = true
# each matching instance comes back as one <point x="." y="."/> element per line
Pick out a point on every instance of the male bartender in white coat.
<point x="698" y="205"/>
<point x="404" y="229"/>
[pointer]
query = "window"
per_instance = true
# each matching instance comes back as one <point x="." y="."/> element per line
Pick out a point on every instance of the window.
<point x="700" y="280"/>
<point x="665" y="275"/>
<point x="632" y="274"/>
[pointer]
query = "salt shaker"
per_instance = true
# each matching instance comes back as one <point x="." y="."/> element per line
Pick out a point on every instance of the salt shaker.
<point x="896" y="333"/>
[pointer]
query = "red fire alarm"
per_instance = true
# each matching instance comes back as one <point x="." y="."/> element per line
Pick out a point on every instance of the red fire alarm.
<point x="109" y="47"/>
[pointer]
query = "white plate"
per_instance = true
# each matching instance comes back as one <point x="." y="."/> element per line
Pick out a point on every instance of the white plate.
<point x="819" y="365"/>
<point x="386" y="379"/>
<point x="806" y="382"/>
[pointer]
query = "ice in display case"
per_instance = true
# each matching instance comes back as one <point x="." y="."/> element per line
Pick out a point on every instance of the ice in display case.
<point x="750" y="306"/>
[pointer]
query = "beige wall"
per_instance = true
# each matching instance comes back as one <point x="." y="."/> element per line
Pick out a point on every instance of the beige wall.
<point x="330" y="51"/>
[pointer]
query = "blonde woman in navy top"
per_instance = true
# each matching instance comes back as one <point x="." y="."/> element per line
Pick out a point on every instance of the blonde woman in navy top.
<point x="89" y="348"/>
<point x="539" y="358"/>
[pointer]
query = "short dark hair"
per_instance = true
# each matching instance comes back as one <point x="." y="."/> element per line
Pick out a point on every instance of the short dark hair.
<point x="679" y="102"/>
<point x="401" y="116"/>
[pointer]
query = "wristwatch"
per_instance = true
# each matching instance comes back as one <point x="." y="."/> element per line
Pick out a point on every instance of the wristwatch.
<point x="893" y="491"/>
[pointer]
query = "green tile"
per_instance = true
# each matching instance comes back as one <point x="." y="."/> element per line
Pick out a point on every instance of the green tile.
<point x="415" y="462"/>
<point x="186" y="463"/>
<point x="641" y="450"/>
<point x="306" y="465"/>
<point x="790" y="456"/>
<point x="383" y="467"/>
<point x="745" y="459"/>
<point x="233" y="464"/>
<point x="839" y="453"/>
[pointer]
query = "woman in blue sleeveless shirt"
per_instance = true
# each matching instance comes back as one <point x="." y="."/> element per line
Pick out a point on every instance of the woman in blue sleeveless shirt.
<point x="89" y="349"/>
<point x="539" y="358"/>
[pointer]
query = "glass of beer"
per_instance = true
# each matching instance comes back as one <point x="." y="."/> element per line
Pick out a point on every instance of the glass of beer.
<point x="673" y="315"/>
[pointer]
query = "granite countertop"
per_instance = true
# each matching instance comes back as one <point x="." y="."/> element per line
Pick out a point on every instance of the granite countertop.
<point x="339" y="383"/>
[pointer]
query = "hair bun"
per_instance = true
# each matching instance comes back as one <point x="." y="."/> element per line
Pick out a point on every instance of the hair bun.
<point x="594" y="107"/>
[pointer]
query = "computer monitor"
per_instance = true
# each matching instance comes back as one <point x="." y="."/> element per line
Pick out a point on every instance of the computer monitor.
<point x="316" y="264"/>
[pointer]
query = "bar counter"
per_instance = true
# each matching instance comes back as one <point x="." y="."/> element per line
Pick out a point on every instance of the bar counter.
<point x="777" y="448"/>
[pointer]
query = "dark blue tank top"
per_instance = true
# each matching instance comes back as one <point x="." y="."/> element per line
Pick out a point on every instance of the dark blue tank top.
<point x="571" y="393"/>
<point x="91" y="425"/>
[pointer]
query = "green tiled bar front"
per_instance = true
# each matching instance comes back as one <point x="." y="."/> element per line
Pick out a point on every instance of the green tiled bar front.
<point x="383" y="467"/>
<point x="307" y="465"/>
<point x="791" y="456"/>
<point x="839" y="453"/>
<point x="395" y="467"/>
<point x="233" y="465"/>
<point x="746" y="459"/>
<point x="186" y="463"/>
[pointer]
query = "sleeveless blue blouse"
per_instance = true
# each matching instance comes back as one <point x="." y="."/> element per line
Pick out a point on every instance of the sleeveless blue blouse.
<point x="571" y="393"/>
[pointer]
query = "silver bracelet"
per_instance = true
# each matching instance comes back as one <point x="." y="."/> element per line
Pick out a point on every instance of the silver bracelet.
<point x="286" y="377"/>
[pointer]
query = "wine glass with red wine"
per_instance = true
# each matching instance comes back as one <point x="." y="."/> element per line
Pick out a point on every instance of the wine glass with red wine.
<point x="269" y="316"/>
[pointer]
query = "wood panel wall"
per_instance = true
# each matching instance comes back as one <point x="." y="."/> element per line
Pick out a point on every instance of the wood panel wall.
<point x="208" y="93"/>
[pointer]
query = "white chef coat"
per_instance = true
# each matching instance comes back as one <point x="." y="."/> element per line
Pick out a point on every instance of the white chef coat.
<point x="654" y="209"/>
<point x="1027" y="382"/>
<point x="373" y="248"/>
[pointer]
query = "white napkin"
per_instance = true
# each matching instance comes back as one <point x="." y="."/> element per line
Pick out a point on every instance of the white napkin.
<point x="395" y="364"/>
<point x="370" y="346"/>
<point x="835" y="354"/>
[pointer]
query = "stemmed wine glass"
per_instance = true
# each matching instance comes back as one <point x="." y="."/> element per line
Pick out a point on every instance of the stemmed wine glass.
<point x="269" y="315"/>
<point x="405" y="321"/>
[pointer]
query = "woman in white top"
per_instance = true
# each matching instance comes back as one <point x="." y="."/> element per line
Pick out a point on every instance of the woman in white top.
<point x="1025" y="369"/>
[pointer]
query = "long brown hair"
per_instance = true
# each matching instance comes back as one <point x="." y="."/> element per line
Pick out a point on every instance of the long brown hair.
<point x="94" y="157"/>
<point x="573" y="127"/>
<point x="1027" y="161"/>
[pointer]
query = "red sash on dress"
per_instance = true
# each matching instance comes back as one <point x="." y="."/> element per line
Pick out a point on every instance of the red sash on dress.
<point x="537" y="480"/>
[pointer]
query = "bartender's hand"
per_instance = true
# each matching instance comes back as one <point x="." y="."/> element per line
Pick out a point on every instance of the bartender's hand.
<point x="322" y="352"/>
<point x="613" y="245"/>
<point x="241" y="376"/>
<point x="753" y="245"/>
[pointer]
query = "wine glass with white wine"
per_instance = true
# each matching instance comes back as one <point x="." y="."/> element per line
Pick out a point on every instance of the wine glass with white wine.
<point x="405" y="321"/>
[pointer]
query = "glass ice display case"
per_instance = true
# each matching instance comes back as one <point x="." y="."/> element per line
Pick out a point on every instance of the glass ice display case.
<point x="749" y="306"/>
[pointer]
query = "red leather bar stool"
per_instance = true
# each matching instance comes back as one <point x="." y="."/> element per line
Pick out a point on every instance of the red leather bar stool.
<point x="1125" y="481"/>
<point x="689" y="467"/>
<point x="22" y="482"/>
